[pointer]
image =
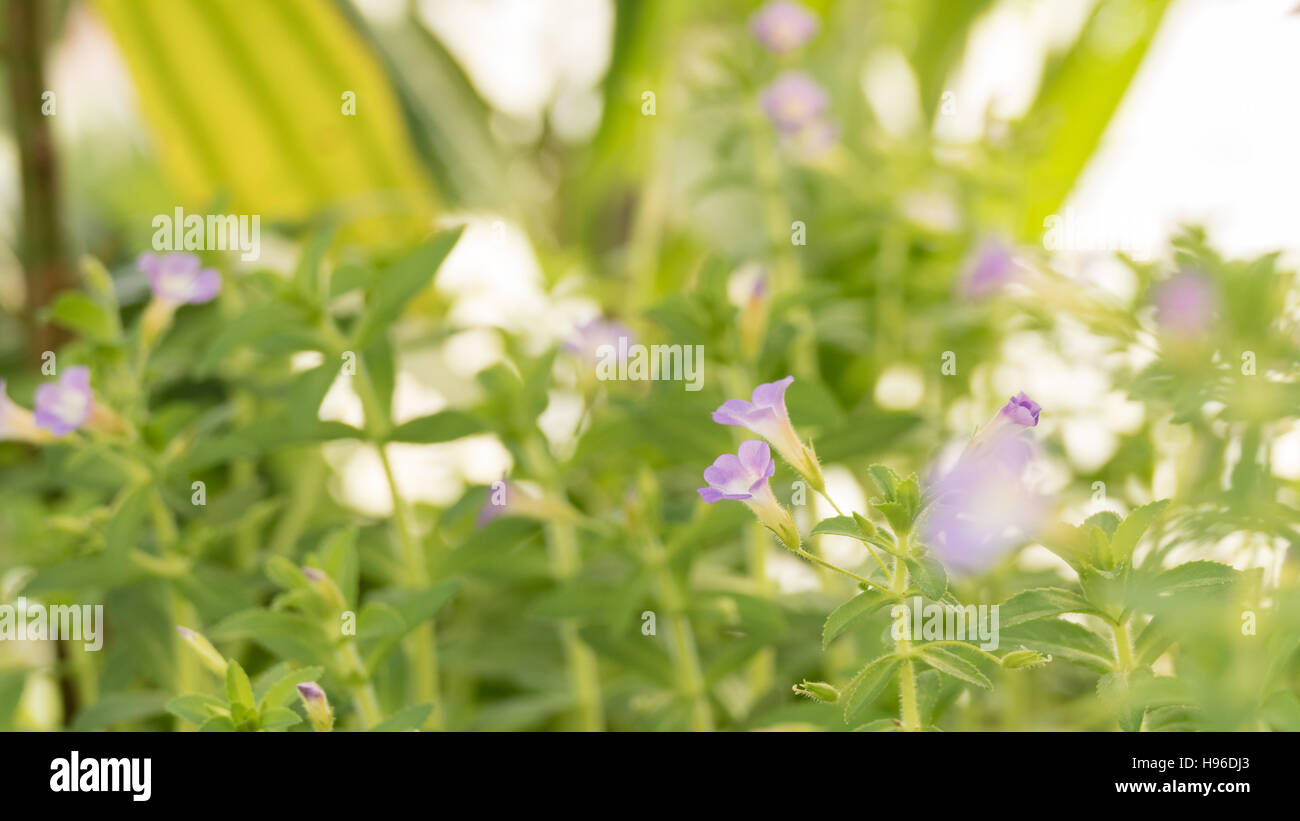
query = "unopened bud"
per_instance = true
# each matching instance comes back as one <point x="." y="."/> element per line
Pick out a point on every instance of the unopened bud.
<point x="208" y="654"/>
<point x="818" y="691"/>
<point x="318" y="706"/>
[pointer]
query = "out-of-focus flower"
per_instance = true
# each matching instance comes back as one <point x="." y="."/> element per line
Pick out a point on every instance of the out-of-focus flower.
<point x="983" y="506"/>
<point x="743" y="476"/>
<point x="17" y="423"/>
<point x="590" y="337"/>
<point x="793" y="101"/>
<point x="208" y="654"/>
<point x="766" y="415"/>
<point x="1186" y="303"/>
<point x="753" y="305"/>
<point x="318" y="706"/>
<point x="783" y="26"/>
<point x="991" y="268"/>
<point x="180" y="278"/>
<point x="64" y="406"/>
<point x="813" y="141"/>
<point x="509" y="499"/>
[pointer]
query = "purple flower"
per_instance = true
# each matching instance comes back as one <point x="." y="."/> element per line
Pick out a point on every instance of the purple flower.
<point x="509" y="499"/>
<point x="1021" y="410"/>
<point x="783" y="26"/>
<point x="743" y="476"/>
<point x="794" y="100"/>
<point x="1185" y="303"/>
<point x="178" y="278"/>
<point x="983" y="507"/>
<point x="311" y="691"/>
<point x="64" y="406"/>
<point x="740" y="476"/>
<point x="767" y="416"/>
<point x="989" y="270"/>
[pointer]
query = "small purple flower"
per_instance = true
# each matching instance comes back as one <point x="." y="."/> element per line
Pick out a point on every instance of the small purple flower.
<point x="743" y="476"/>
<point x="1185" y="303"/>
<point x="1021" y="410"/>
<point x="64" y="406"/>
<point x="989" y="270"/>
<point x="311" y="691"/>
<point x="740" y="476"/>
<point x="766" y="415"/>
<point x="594" y="335"/>
<point x="179" y="278"/>
<point x="794" y="100"/>
<point x="782" y="26"/>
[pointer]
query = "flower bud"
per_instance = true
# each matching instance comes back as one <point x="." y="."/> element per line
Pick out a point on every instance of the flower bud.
<point x="1018" y="659"/>
<point x="325" y="587"/>
<point x="208" y="654"/>
<point x="318" y="706"/>
<point x="818" y="691"/>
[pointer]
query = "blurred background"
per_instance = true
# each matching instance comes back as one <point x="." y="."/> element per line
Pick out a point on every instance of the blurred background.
<point x="917" y="207"/>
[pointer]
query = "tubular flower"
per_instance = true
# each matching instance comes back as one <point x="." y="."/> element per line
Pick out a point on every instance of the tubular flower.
<point x="766" y="415"/>
<point x="17" y="424"/>
<point x="743" y="476"/>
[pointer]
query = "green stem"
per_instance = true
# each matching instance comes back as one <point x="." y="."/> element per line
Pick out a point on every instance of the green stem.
<point x="686" y="658"/>
<point x="907" y="677"/>
<point x="1123" y="647"/>
<point x="363" y="691"/>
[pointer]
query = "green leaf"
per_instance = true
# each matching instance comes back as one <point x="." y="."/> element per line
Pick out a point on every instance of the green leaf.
<point x="839" y="526"/>
<point x="929" y="576"/>
<point x="249" y="326"/>
<point x="398" y="283"/>
<point x="271" y="136"/>
<point x="238" y="688"/>
<point x="1041" y="603"/>
<point x="887" y="479"/>
<point x="1115" y="690"/>
<point x="79" y="313"/>
<point x="196" y="708"/>
<point x="869" y="683"/>
<point x="946" y="661"/>
<point x="284" y="689"/>
<point x="1127" y="534"/>
<point x="1192" y="575"/>
<point x="405" y="720"/>
<point x="218" y="724"/>
<point x="114" y="709"/>
<point x="440" y="427"/>
<point x="279" y="718"/>
<point x="850" y="613"/>
<point x="1063" y="640"/>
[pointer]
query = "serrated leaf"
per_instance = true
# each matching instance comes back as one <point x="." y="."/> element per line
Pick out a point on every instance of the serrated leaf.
<point x="1127" y="534"/>
<point x="887" y="479"/>
<point x="1041" y="603"/>
<point x="1193" y="575"/>
<point x="946" y="661"/>
<point x="850" y="613"/>
<point x="869" y="683"/>
<point x="928" y="575"/>
<point x="1062" y="640"/>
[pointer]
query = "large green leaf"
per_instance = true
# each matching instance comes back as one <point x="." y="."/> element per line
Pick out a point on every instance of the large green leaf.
<point x="246" y="105"/>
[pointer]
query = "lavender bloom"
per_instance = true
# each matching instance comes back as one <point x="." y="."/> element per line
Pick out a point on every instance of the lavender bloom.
<point x="1185" y="303"/>
<point x="782" y="26"/>
<point x="743" y="476"/>
<point x="1021" y="410"/>
<point x="989" y="270"/>
<point x="17" y="423"/>
<point x="593" y="335"/>
<point x="509" y="499"/>
<point x="983" y="507"/>
<point x="766" y="415"/>
<point x="794" y="100"/>
<point x="178" y="278"/>
<point x="64" y="406"/>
